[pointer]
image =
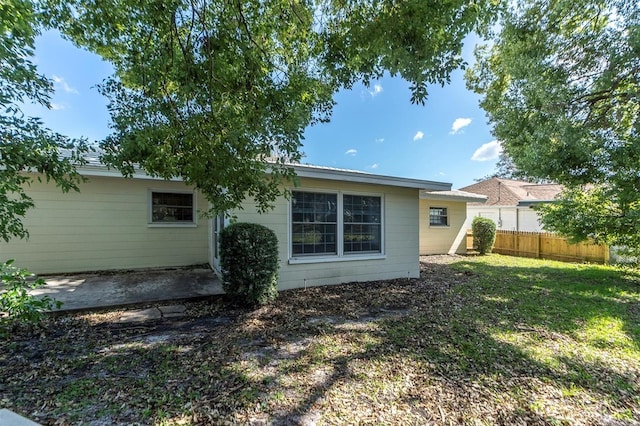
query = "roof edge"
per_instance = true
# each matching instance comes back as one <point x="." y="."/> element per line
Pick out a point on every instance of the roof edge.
<point x="318" y="172"/>
<point x="301" y="170"/>
<point x="455" y="195"/>
<point x="104" y="171"/>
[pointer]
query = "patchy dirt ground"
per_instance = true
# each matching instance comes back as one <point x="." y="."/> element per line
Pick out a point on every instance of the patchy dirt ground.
<point x="405" y="351"/>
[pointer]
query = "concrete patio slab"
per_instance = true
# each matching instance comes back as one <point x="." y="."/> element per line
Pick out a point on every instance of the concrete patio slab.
<point x="172" y="310"/>
<point x="141" y="315"/>
<point x="89" y="291"/>
<point x="9" y="418"/>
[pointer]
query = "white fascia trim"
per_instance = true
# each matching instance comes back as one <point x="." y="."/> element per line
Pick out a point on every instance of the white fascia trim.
<point x="361" y="177"/>
<point x="104" y="172"/>
<point x="330" y="259"/>
<point x="453" y="197"/>
<point x="302" y="171"/>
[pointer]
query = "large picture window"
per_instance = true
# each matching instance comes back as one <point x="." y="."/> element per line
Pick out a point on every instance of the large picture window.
<point x="172" y="207"/>
<point x="317" y="228"/>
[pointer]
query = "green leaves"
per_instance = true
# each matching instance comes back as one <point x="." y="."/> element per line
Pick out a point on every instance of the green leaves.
<point x="561" y="85"/>
<point x="19" y="80"/>
<point x="599" y="214"/>
<point x="25" y="145"/>
<point x="484" y="234"/>
<point x="213" y="91"/>
<point x="17" y="307"/>
<point x="249" y="257"/>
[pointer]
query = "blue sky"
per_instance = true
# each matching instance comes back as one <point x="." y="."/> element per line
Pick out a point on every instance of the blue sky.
<point x="374" y="129"/>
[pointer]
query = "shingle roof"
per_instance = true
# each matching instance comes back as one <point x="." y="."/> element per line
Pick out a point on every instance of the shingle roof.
<point x="507" y="192"/>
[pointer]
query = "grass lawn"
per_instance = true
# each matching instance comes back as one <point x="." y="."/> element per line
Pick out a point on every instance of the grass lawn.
<point x="485" y="340"/>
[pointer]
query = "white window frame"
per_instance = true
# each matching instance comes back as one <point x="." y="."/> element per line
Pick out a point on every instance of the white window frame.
<point x="152" y="224"/>
<point x="381" y="223"/>
<point x="447" y="217"/>
<point x="290" y="224"/>
<point x="341" y="256"/>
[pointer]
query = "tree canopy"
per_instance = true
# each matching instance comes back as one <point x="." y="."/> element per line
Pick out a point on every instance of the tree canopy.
<point x="25" y="144"/>
<point x="220" y="91"/>
<point x="561" y="86"/>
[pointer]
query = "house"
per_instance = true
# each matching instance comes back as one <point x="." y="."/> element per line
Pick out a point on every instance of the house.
<point x="509" y="202"/>
<point x="338" y="225"/>
<point x="443" y="220"/>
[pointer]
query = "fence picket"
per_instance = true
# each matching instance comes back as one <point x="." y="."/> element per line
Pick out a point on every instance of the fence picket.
<point x="544" y="245"/>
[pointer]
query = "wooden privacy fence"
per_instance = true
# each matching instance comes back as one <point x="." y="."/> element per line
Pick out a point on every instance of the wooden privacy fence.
<point x="543" y="245"/>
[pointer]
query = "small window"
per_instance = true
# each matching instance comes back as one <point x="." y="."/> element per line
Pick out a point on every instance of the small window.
<point x="172" y="207"/>
<point x="438" y="216"/>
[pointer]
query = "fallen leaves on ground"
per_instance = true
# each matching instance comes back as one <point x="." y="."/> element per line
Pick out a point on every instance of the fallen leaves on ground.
<point x="406" y="351"/>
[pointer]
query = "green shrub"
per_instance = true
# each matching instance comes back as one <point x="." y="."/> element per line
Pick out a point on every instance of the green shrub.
<point x="17" y="307"/>
<point x="249" y="261"/>
<point x="484" y="234"/>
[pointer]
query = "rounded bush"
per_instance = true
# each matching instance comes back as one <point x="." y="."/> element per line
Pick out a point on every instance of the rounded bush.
<point x="249" y="262"/>
<point x="484" y="234"/>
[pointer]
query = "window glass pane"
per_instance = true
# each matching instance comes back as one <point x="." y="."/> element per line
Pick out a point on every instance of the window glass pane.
<point x="362" y="238"/>
<point x="438" y="216"/>
<point x="313" y="239"/>
<point x="314" y="223"/>
<point x="362" y="230"/>
<point x="171" y="207"/>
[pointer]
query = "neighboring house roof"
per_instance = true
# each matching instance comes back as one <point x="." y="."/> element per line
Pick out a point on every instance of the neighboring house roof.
<point x="94" y="167"/>
<point x="508" y="192"/>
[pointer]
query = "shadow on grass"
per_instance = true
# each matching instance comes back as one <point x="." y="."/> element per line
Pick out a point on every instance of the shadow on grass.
<point x="567" y="308"/>
<point x="564" y="298"/>
<point x="460" y="345"/>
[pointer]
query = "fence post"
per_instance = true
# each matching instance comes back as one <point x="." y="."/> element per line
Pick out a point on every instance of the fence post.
<point x="538" y="245"/>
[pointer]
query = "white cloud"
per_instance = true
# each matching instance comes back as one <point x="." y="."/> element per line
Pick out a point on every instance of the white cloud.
<point x="459" y="124"/>
<point x="377" y="89"/>
<point x="351" y="152"/>
<point x="57" y="107"/>
<point x="418" y="136"/>
<point x="380" y="140"/>
<point x="374" y="166"/>
<point x="63" y="84"/>
<point x="487" y="151"/>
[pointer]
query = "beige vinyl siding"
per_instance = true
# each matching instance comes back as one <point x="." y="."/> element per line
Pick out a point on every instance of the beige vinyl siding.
<point x="439" y="239"/>
<point x="400" y="209"/>
<point x="104" y="227"/>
